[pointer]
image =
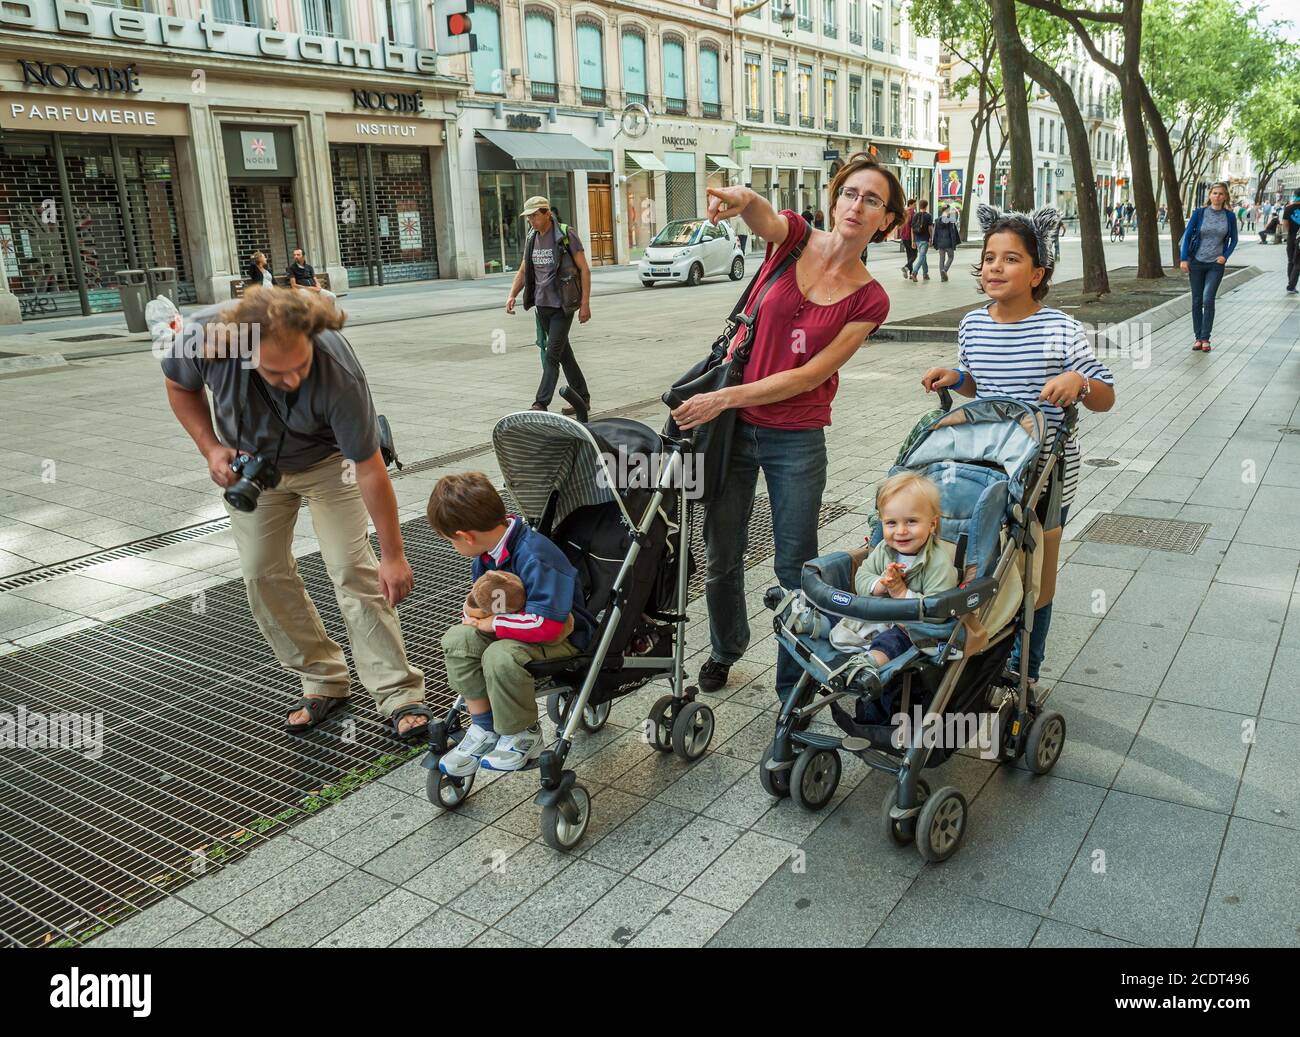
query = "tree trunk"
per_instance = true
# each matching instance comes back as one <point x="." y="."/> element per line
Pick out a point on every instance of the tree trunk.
<point x="1095" y="277"/>
<point x="977" y="125"/>
<point x="1175" y="213"/>
<point x="1021" y="179"/>
<point x="1139" y="149"/>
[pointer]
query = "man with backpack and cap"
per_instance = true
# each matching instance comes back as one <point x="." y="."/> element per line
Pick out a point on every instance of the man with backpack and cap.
<point x="556" y="278"/>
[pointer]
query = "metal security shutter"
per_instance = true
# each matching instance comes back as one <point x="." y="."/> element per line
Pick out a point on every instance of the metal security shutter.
<point x="403" y="200"/>
<point x="36" y="256"/>
<point x="265" y="221"/>
<point x="157" y="215"/>
<point x="681" y="196"/>
<point x="350" y="211"/>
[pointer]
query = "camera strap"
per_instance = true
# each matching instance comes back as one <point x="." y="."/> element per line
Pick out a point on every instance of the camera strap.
<point x="244" y="377"/>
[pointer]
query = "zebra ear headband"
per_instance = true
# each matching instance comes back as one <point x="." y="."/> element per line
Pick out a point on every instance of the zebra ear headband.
<point x="1041" y="223"/>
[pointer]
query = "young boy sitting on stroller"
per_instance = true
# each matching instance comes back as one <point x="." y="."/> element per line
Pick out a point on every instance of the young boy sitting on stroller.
<point x="908" y="563"/>
<point x="486" y="655"/>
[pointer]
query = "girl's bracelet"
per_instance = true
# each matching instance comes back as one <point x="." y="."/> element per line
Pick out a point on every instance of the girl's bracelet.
<point x="961" y="377"/>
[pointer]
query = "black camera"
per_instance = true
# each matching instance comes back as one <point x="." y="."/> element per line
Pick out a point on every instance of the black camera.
<point x="256" y="473"/>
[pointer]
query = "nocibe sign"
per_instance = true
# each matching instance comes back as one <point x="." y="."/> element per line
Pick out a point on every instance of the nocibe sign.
<point x="97" y="78"/>
<point x="375" y="100"/>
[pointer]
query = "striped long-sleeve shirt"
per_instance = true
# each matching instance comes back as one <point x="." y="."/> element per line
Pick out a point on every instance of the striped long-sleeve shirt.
<point x="1019" y="358"/>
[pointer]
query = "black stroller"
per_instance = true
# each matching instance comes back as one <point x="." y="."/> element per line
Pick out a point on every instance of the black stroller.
<point x="612" y="495"/>
<point x="992" y="461"/>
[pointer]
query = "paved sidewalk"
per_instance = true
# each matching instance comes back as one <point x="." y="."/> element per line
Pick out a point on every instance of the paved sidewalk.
<point x="1172" y="819"/>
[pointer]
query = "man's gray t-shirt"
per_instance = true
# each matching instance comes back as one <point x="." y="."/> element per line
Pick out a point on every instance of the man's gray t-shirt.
<point x="332" y="411"/>
<point x="546" y="265"/>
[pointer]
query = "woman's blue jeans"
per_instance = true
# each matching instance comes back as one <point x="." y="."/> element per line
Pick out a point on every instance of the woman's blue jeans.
<point x="1205" y="278"/>
<point x="793" y="462"/>
<point x="1037" y="636"/>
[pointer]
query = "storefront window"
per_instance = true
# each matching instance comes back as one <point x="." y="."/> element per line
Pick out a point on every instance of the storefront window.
<point x="235" y="12"/>
<point x="710" y="89"/>
<point x="501" y="196"/>
<point x="539" y="34"/>
<point x="389" y="236"/>
<point x="489" y="73"/>
<point x="591" y="62"/>
<point x="324" y="18"/>
<point x="634" y="81"/>
<point x="400" y="15"/>
<point x="675" y="76"/>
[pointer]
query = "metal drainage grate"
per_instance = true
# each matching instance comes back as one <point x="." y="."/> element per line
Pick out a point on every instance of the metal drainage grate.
<point x="88" y="338"/>
<point x="1101" y="462"/>
<point x="131" y="550"/>
<point x="195" y="770"/>
<point x="1141" y="531"/>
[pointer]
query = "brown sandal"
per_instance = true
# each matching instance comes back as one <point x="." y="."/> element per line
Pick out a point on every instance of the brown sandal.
<point x="317" y="708"/>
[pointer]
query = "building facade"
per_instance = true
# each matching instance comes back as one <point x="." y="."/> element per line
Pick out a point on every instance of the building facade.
<point x="851" y="76"/>
<point x="186" y="135"/>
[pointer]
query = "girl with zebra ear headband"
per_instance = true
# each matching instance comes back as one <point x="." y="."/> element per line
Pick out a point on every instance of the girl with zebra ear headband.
<point x="1041" y="225"/>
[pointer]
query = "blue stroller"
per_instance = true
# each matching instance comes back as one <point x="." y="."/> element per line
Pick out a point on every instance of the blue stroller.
<point x="992" y="461"/>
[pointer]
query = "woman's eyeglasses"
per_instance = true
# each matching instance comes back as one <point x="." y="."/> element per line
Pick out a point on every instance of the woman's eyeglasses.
<point x="852" y="195"/>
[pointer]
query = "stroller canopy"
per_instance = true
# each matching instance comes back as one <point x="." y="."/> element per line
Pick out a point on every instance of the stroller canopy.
<point x="998" y="430"/>
<point x="612" y="460"/>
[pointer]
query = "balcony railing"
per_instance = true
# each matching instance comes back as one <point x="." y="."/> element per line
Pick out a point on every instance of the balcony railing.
<point x="1094" y="111"/>
<point x="832" y="125"/>
<point x="877" y="129"/>
<point x="877" y="43"/>
<point x="855" y="128"/>
<point x="855" y="37"/>
<point x="634" y="98"/>
<point x="754" y="114"/>
<point x="781" y="118"/>
<point x="593" y="95"/>
<point x="544" y="91"/>
<point x="895" y="130"/>
<point x="807" y="122"/>
<point x="675" y="105"/>
<point x="805" y="23"/>
<point x="893" y="47"/>
<point x="830" y="30"/>
<point x="711" y="110"/>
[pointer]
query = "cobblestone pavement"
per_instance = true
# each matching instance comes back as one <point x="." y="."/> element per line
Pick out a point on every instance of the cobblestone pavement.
<point x="1173" y="817"/>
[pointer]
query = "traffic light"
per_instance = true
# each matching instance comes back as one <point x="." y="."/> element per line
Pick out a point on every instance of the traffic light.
<point x="451" y="26"/>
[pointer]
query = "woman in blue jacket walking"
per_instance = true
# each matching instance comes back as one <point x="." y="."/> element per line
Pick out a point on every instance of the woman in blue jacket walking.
<point x="1210" y="237"/>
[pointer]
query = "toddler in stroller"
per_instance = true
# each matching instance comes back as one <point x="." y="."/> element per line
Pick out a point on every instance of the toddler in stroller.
<point x="948" y="685"/>
<point x="605" y="504"/>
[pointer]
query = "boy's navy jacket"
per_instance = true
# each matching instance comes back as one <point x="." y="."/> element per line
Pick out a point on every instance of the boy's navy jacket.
<point x="1192" y="235"/>
<point x="550" y="582"/>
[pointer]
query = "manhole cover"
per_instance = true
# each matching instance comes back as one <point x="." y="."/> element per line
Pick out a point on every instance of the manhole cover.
<point x="1142" y="531"/>
<point x="1101" y="462"/>
<point x="88" y="338"/>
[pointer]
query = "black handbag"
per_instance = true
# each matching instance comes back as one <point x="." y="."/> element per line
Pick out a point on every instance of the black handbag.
<point x="712" y="443"/>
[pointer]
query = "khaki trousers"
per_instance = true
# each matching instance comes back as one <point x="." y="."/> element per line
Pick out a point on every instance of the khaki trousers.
<point x="285" y="614"/>
<point x="481" y="666"/>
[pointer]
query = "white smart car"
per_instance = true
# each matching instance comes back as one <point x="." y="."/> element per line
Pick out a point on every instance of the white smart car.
<point x="687" y="251"/>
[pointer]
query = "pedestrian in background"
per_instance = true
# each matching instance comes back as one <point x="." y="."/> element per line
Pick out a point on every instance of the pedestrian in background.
<point x="922" y="226"/>
<point x="819" y="220"/>
<point x="1291" y="218"/>
<point x="1207" y="243"/>
<point x="905" y="236"/>
<point x="947" y="236"/>
<point x="1164" y="212"/>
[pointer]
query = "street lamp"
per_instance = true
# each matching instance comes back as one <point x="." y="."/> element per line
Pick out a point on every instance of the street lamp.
<point x="786" y="16"/>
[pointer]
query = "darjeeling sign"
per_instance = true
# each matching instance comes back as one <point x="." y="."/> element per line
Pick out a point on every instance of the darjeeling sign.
<point x="71" y="18"/>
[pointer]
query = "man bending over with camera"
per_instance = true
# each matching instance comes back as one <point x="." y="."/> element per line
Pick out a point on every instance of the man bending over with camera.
<point x="296" y="423"/>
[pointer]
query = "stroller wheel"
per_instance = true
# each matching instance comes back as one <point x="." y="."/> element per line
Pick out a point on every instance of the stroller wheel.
<point x="445" y="790"/>
<point x="565" y="823"/>
<point x="941" y="824"/>
<point x="901" y="833"/>
<point x="775" y="783"/>
<point x="659" y="731"/>
<point x="814" y="778"/>
<point x="1045" y="742"/>
<point x="594" y="717"/>
<point x="692" y="730"/>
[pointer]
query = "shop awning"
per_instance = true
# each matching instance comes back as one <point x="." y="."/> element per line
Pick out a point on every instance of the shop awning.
<point x="721" y="162"/>
<point x="647" y="160"/>
<point x="545" y="150"/>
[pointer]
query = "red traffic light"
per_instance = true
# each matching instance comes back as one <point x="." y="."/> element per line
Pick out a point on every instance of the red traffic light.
<point x="458" y="24"/>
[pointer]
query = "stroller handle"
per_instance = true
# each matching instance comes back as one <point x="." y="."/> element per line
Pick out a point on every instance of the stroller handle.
<point x="945" y="400"/>
<point x="671" y="400"/>
<point x="822" y="575"/>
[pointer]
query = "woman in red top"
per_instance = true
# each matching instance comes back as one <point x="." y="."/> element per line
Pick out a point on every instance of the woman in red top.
<point x="812" y="320"/>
